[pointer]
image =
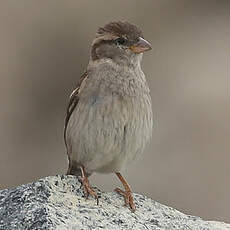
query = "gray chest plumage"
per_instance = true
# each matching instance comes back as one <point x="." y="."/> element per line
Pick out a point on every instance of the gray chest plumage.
<point x="112" y="121"/>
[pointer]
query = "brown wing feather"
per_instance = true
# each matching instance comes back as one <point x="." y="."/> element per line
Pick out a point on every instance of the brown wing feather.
<point x="73" y="101"/>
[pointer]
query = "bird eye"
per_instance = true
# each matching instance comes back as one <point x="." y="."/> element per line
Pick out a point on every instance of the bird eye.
<point x="120" y="41"/>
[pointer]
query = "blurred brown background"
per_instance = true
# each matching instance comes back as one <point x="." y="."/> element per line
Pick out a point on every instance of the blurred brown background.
<point x="44" y="48"/>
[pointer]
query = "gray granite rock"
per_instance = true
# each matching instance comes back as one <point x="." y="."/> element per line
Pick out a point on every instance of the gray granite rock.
<point x="57" y="202"/>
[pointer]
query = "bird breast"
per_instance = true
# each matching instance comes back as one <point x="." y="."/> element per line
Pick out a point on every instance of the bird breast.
<point x="112" y="122"/>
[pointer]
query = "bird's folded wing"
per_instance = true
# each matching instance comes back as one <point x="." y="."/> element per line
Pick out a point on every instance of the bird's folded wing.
<point x="73" y="101"/>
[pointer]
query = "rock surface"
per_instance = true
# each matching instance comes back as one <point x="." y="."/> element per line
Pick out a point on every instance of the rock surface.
<point x="57" y="202"/>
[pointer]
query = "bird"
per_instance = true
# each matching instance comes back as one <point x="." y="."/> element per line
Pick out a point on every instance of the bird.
<point x="109" y="115"/>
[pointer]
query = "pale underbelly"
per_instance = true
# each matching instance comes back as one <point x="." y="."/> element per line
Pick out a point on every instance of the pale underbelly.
<point x="104" y="137"/>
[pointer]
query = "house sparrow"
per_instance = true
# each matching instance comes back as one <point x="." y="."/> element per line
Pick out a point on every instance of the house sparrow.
<point x="109" y="115"/>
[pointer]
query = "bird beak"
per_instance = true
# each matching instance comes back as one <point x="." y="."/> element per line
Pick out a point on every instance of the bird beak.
<point x="141" y="46"/>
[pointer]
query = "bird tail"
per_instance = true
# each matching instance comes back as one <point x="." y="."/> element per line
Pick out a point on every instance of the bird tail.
<point x="75" y="169"/>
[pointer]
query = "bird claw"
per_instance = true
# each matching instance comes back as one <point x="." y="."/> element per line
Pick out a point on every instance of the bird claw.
<point x="128" y="196"/>
<point x="88" y="190"/>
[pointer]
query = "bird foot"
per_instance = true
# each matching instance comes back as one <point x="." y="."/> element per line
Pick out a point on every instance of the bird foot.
<point x="88" y="190"/>
<point x="128" y="196"/>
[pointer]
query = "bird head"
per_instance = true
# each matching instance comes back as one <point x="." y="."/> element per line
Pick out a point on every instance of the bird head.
<point x="119" y="41"/>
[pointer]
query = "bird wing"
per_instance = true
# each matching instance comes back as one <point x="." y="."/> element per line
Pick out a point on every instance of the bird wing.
<point x="73" y="101"/>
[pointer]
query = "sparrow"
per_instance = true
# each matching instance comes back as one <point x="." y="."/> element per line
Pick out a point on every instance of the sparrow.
<point x="109" y="115"/>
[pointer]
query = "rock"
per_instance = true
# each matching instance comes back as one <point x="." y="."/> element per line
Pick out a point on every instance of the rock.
<point x="57" y="202"/>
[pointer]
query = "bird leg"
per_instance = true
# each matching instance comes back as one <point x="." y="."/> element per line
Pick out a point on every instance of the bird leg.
<point x="86" y="185"/>
<point x="127" y="193"/>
